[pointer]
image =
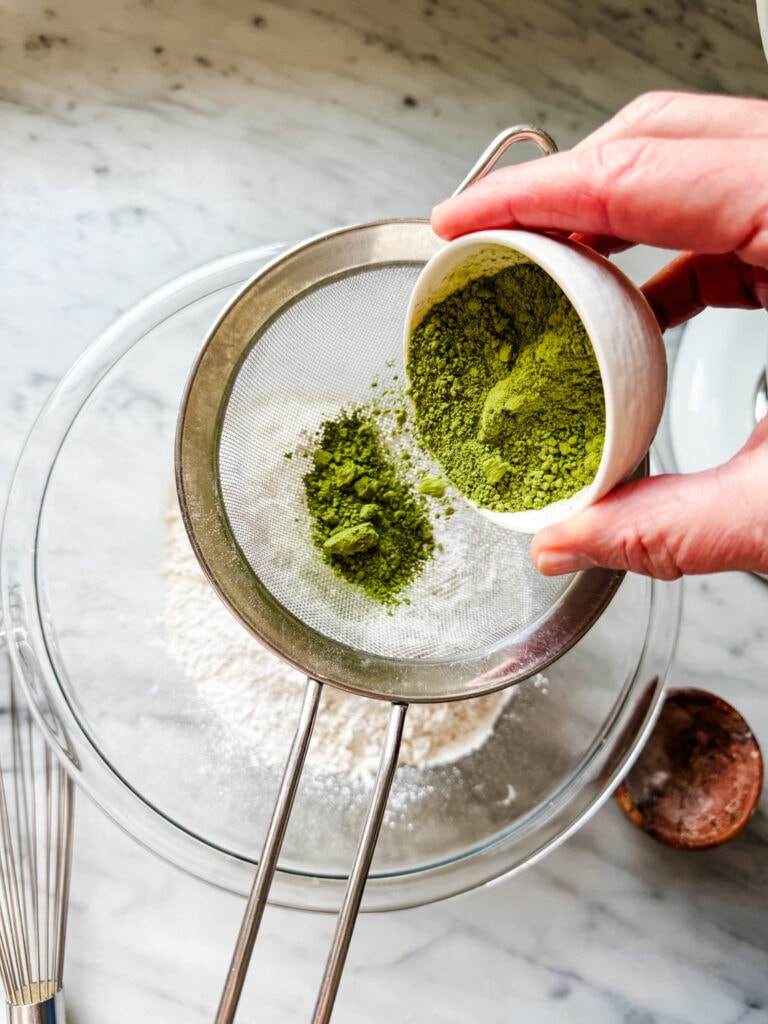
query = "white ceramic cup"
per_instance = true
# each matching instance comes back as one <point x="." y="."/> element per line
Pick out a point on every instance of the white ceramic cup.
<point x="619" y="323"/>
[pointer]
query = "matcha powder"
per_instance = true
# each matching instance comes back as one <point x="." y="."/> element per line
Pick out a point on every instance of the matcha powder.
<point x="368" y="523"/>
<point x="507" y="391"/>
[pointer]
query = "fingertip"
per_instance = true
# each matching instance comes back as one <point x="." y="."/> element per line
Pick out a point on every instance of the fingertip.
<point x="440" y="219"/>
<point x="550" y="538"/>
<point x="560" y="563"/>
<point x="559" y="549"/>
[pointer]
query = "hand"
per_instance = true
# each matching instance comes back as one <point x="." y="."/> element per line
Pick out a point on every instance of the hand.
<point x="682" y="172"/>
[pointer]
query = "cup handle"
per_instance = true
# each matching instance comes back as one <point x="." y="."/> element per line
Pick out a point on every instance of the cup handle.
<point x="519" y="133"/>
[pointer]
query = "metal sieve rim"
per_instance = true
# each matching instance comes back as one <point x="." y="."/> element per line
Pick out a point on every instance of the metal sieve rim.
<point x="314" y="262"/>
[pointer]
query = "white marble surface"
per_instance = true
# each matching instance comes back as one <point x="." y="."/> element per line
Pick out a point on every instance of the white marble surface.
<point x="143" y="137"/>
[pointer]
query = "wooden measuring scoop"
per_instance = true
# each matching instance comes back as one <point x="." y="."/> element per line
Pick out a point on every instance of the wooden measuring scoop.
<point x="698" y="779"/>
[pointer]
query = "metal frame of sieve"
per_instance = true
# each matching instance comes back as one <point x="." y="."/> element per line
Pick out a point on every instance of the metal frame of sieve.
<point x="323" y="658"/>
<point x="520" y="654"/>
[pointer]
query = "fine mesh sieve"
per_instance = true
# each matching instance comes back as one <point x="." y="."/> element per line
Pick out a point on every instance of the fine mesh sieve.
<point x="317" y="332"/>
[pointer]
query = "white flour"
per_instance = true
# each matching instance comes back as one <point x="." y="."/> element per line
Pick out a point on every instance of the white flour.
<point x="259" y="696"/>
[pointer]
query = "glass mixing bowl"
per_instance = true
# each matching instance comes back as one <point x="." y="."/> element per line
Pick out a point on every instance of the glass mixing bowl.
<point x="83" y="597"/>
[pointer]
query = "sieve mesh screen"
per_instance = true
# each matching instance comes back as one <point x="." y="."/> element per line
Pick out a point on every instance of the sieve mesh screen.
<point x="319" y="355"/>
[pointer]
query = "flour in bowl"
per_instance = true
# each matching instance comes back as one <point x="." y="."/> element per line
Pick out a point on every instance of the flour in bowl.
<point x="258" y="695"/>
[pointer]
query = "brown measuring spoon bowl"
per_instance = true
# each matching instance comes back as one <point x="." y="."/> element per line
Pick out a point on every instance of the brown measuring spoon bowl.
<point x="698" y="779"/>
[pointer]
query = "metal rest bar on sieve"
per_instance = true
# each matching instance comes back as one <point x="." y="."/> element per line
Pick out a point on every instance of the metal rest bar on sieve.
<point x="353" y="894"/>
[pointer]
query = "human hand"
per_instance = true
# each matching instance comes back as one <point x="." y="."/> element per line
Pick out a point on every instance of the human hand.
<point x="677" y="171"/>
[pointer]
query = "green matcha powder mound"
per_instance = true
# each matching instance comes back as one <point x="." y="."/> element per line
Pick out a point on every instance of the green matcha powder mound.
<point x="507" y="391"/>
<point x="368" y="524"/>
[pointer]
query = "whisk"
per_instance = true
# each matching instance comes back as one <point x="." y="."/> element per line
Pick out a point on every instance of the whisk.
<point x="36" y="812"/>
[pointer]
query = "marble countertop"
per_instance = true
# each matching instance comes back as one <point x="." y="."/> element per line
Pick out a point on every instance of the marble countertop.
<point x="141" y="138"/>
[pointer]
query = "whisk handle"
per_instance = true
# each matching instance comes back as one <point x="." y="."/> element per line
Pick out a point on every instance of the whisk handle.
<point x="49" y="1011"/>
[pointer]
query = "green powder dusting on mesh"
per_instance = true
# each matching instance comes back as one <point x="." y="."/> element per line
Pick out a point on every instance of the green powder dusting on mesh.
<point x="507" y="392"/>
<point x="367" y="522"/>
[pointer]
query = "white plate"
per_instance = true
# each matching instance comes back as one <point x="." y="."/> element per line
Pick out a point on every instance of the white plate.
<point x="712" y="395"/>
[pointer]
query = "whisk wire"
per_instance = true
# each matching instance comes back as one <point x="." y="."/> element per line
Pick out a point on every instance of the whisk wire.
<point x="30" y="808"/>
<point x="64" y="831"/>
<point x="10" y="911"/>
<point x="48" y="944"/>
<point x="19" y="812"/>
<point x="29" y="884"/>
<point x="36" y="817"/>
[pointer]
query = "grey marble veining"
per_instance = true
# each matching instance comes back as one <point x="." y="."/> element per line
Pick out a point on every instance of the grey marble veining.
<point x="141" y="138"/>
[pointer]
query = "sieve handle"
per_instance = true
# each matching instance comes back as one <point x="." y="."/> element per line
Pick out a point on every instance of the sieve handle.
<point x="359" y="873"/>
<point x="265" y="871"/>
<point x="499" y="146"/>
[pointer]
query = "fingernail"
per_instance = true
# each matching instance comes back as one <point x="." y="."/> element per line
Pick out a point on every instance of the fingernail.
<point x="558" y="563"/>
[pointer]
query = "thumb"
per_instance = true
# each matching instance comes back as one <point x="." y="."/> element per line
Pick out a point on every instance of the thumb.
<point x="667" y="526"/>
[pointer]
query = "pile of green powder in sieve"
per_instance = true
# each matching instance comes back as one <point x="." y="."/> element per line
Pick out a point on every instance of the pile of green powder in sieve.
<point x="371" y="527"/>
<point x="507" y="391"/>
